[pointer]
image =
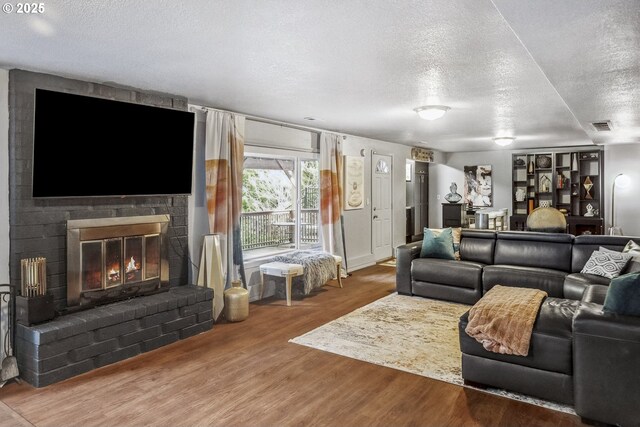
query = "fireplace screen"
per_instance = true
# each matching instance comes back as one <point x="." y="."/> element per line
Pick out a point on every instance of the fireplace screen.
<point x="115" y="258"/>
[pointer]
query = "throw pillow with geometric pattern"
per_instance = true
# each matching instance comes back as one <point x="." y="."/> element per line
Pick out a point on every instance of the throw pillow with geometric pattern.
<point x="606" y="264"/>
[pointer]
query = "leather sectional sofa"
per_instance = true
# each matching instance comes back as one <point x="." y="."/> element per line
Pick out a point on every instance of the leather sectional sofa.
<point x="578" y="355"/>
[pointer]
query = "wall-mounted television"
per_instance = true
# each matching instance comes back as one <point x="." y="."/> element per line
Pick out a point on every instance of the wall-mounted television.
<point x="88" y="146"/>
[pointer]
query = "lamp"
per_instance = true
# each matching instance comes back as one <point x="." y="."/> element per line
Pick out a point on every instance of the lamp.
<point x="621" y="180"/>
<point x="432" y="112"/>
<point x="504" y="140"/>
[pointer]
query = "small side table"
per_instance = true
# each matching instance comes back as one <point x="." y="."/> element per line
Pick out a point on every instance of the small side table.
<point x="280" y="269"/>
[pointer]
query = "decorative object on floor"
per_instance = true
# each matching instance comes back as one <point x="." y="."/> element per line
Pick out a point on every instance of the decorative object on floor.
<point x="478" y="187"/>
<point x="34" y="305"/>
<point x="319" y="268"/>
<point x="211" y="271"/>
<point x="622" y="181"/>
<point x="546" y="219"/>
<point x="236" y="302"/>
<point x="588" y="185"/>
<point x="590" y="211"/>
<point x="416" y="335"/>
<point x="453" y="196"/>
<point x="353" y="182"/>
<point x="9" y="364"/>
<point x="502" y="320"/>
<point x="543" y="162"/>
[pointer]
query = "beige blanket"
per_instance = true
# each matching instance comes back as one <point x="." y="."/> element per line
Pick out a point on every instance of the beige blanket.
<point x="502" y="320"/>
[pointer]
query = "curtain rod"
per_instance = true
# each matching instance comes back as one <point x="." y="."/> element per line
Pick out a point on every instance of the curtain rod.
<point x="268" y="121"/>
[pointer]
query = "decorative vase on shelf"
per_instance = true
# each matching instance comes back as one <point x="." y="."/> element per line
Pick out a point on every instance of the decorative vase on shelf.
<point x="543" y="162"/>
<point x="236" y="302"/>
<point x="531" y="168"/>
<point x="574" y="162"/>
<point x="588" y="185"/>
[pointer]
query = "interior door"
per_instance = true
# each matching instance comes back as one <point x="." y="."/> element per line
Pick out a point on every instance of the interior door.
<point x="381" y="206"/>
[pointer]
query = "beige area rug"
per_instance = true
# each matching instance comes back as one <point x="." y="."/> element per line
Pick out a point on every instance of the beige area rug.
<point x="412" y="334"/>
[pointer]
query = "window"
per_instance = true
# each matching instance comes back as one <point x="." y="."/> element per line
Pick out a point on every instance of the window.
<point x="280" y="203"/>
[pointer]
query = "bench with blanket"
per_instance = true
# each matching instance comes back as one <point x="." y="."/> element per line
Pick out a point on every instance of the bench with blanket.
<point x="319" y="268"/>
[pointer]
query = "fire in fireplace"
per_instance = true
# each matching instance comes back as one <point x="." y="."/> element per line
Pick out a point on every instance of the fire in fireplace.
<point x="109" y="259"/>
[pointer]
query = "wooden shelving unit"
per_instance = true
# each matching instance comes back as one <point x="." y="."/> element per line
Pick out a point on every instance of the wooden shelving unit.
<point x="567" y="180"/>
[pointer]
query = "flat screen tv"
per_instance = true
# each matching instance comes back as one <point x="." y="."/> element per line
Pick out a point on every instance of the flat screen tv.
<point x="88" y="146"/>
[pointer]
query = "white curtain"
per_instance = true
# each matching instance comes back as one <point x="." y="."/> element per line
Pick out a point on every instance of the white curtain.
<point x="331" y="195"/>
<point x="224" y="158"/>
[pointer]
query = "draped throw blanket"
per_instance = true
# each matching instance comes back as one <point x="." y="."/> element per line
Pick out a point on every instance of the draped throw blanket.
<point x="331" y="200"/>
<point x="224" y="157"/>
<point x="319" y="268"/>
<point x="502" y="320"/>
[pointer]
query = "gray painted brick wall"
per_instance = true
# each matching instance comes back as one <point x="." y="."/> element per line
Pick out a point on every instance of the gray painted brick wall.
<point x="38" y="226"/>
<point x="77" y="343"/>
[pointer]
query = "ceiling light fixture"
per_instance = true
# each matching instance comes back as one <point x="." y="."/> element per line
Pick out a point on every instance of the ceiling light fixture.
<point x="432" y="112"/>
<point x="504" y="140"/>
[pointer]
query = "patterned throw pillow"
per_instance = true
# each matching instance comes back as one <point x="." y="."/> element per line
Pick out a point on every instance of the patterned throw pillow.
<point x="456" y="232"/>
<point x="440" y="246"/>
<point x="633" y="249"/>
<point x="606" y="264"/>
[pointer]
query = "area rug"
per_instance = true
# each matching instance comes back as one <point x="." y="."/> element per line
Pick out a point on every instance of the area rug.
<point x="416" y="335"/>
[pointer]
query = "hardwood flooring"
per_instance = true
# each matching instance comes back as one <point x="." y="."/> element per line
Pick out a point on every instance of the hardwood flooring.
<point x="247" y="374"/>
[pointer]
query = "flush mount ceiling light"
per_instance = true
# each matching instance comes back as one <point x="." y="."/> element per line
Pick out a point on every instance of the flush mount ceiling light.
<point x="431" y="112"/>
<point x="504" y="140"/>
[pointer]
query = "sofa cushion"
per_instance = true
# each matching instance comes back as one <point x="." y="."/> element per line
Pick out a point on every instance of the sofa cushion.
<point x="606" y="264"/>
<point x="477" y="246"/>
<point x="530" y="249"/>
<point x="595" y="294"/>
<point x="576" y="283"/>
<point x="633" y="249"/>
<point x="548" y="280"/>
<point x="437" y="244"/>
<point x="463" y="274"/>
<point x="584" y="245"/>
<point x="551" y="340"/>
<point x="623" y="296"/>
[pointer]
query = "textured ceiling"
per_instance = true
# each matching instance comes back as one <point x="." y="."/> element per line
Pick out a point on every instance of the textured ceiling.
<point x="540" y="71"/>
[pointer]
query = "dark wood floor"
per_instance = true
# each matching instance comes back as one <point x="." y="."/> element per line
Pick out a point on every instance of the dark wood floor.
<point x="247" y="374"/>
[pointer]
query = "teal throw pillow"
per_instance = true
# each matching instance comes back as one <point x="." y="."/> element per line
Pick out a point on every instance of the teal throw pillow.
<point x="437" y="246"/>
<point x="623" y="295"/>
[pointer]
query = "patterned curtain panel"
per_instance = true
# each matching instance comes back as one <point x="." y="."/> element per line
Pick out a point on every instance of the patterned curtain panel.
<point x="331" y="200"/>
<point x="224" y="157"/>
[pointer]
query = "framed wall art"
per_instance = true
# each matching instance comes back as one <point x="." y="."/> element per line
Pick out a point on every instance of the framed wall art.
<point x="478" y="186"/>
<point x="353" y="182"/>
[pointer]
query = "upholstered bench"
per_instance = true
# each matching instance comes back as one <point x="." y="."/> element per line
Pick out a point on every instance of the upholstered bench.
<point x="280" y="269"/>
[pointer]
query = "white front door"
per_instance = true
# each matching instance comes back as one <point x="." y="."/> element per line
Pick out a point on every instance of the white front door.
<point x="381" y="206"/>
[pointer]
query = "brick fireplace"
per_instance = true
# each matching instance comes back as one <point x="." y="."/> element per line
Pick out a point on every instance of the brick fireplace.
<point x="78" y="341"/>
<point x="110" y="259"/>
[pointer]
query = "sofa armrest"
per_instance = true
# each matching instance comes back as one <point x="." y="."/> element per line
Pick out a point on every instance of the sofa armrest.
<point x="404" y="255"/>
<point x="605" y="363"/>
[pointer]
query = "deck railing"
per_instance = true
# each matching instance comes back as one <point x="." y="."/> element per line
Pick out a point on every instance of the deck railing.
<point x="276" y="228"/>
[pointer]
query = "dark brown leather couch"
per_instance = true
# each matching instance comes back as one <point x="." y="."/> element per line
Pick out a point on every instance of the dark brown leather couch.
<point x="579" y="354"/>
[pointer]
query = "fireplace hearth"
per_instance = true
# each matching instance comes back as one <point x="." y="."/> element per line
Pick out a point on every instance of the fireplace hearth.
<point x="110" y="259"/>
